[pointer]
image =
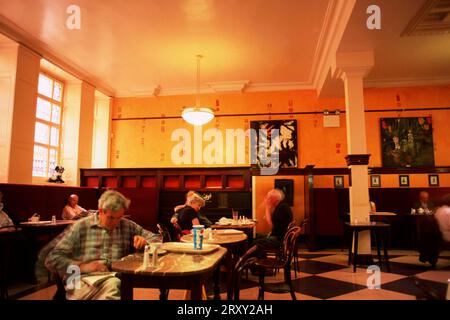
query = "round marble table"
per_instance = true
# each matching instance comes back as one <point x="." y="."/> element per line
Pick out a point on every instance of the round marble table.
<point x="174" y="271"/>
<point x="233" y="244"/>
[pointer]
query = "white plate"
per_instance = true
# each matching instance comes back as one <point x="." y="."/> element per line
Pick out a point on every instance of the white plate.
<point x="228" y="231"/>
<point x="188" y="247"/>
<point x="160" y="251"/>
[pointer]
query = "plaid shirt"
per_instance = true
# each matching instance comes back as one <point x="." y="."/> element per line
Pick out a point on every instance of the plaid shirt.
<point x="87" y="241"/>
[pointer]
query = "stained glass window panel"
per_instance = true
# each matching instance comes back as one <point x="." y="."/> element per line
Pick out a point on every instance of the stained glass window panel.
<point x="41" y="133"/>
<point x="54" y="137"/>
<point x="40" y="161"/>
<point x="57" y="90"/>
<point x="52" y="161"/>
<point x="56" y="114"/>
<point x="43" y="109"/>
<point x="45" y="86"/>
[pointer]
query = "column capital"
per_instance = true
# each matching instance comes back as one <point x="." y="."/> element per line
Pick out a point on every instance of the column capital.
<point x="357" y="159"/>
<point x="352" y="64"/>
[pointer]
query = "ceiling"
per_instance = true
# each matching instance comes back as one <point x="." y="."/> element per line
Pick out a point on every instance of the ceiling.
<point x="132" y="47"/>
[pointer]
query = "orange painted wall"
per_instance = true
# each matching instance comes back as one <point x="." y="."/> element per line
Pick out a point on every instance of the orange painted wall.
<point x="140" y="143"/>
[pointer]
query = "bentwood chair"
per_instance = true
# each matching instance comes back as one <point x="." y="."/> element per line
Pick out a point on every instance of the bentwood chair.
<point x="283" y="262"/>
<point x="243" y="264"/>
<point x="164" y="232"/>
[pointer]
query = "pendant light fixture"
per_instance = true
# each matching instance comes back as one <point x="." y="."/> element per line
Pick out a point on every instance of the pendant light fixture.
<point x="197" y="115"/>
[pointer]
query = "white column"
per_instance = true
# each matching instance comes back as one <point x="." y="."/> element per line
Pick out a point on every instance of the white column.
<point x="8" y="66"/>
<point x="351" y="68"/>
<point x="20" y="168"/>
<point x="102" y="131"/>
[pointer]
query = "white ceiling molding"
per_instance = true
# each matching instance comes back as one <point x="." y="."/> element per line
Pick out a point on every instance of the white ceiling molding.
<point x="336" y="19"/>
<point x="352" y="63"/>
<point x="14" y="32"/>
<point x="284" y="86"/>
<point x="432" y="19"/>
<point x="406" y="82"/>
<point x="229" y="86"/>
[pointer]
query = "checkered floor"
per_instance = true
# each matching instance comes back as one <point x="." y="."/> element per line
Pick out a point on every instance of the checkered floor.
<point x="325" y="275"/>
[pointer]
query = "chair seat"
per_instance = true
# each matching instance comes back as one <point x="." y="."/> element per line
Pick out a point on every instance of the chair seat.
<point x="276" y="287"/>
<point x="269" y="263"/>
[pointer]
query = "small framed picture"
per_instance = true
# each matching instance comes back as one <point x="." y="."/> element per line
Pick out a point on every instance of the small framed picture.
<point x="338" y="181"/>
<point x="375" y="181"/>
<point x="404" y="180"/>
<point x="433" y="180"/>
<point x="287" y="186"/>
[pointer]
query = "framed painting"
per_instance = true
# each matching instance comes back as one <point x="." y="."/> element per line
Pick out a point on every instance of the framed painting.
<point x="287" y="186"/>
<point x="407" y="142"/>
<point x="433" y="180"/>
<point x="403" y="180"/>
<point x="375" y="181"/>
<point x="274" y="150"/>
<point x="338" y="181"/>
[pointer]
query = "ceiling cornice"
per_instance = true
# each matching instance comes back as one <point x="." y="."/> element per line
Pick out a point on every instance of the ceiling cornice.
<point x="336" y="19"/>
<point x="406" y="82"/>
<point x="229" y="86"/>
<point x="14" y="32"/>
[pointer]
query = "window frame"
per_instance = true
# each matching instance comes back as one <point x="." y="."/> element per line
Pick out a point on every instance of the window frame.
<point x="49" y="123"/>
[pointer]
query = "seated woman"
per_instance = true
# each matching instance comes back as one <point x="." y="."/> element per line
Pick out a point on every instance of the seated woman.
<point x="188" y="215"/>
<point x="202" y="218"/>
<point x="72" y="211"/>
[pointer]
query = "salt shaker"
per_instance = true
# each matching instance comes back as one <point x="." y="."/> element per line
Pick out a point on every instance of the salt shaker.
<point x="146" y="258"/>
<point x="53" y="219"/>
<point x="155" y="256"/>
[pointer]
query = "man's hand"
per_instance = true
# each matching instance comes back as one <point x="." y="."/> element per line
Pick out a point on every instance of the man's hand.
<point x="93" y="266"/>
<point x="139" y="242"/>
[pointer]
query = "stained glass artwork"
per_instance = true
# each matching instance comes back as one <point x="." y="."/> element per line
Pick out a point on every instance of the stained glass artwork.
<point x="41" y="133"/>
<point x="40" y="161"/>
<point x="57" y="90"/>
<point x="43" y="109"/>
<point x="54" y="137"/>
<point x="56" y="114"/>
<point x="45" y="86"/>
<point x="52" y="161"/>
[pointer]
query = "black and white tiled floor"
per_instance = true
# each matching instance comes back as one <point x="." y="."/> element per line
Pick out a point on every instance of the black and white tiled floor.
<point x="325" y="275"/>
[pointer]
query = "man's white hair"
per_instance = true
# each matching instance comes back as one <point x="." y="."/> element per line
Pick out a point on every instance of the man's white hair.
<point x="196" y="199"/>
<point x="113" y="200"/>
<point x="277" y="194"/>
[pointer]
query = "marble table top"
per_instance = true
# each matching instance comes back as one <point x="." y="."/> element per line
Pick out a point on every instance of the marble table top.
<point x="171" y="263"/>
<point x="48" y="223"/>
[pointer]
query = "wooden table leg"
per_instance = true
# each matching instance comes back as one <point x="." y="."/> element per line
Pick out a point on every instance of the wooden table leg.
<point x="386" y="256"/>
<point x="196" y="291"/>
<point x="217" y="283"/>
<point x="377" y="242"/>
<point x="355" y="255"/>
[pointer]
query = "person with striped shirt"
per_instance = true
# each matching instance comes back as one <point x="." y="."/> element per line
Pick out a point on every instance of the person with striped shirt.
<point x="92" y="244"/>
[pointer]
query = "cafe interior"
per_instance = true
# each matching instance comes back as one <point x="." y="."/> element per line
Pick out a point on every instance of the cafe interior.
<point x="343" y="105"/>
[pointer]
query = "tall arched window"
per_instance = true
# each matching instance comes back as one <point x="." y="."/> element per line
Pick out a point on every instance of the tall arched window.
<point x="47" y="133"/>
